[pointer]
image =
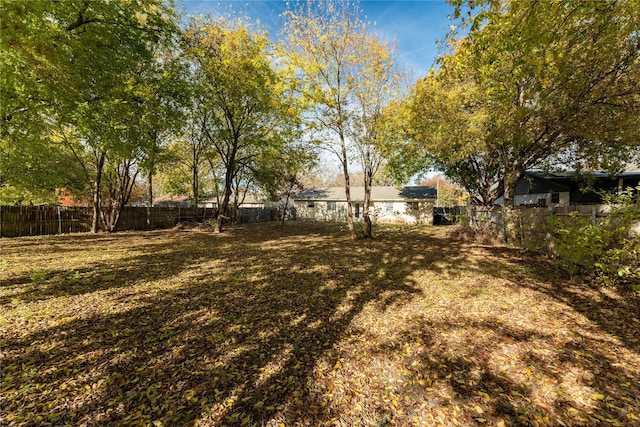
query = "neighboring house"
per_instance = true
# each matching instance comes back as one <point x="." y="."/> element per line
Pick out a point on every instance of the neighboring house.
<point x="250" y="200"/>
<point x="536" y="188"/>
<point x="172" y="202"/>
<point x="412" y="205"/>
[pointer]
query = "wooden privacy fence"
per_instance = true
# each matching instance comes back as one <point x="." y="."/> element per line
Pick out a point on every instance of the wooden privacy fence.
<point x="16" y="221"/>
<point x="38" y="220"/>
<point x="533" y="228"/>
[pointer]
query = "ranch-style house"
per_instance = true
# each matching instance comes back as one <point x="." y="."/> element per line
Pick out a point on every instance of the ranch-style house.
<point x="408" y="205"/>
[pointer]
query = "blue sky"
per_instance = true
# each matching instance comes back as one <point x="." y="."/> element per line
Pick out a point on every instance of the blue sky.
<point x="415" y="25"/>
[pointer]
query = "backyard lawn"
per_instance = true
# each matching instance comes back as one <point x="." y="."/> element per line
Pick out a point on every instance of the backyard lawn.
<point x="300" y="325"/>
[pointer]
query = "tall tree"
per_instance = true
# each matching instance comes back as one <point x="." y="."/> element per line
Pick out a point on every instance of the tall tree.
<point x="375" y="82"/>
<point x="541" y="77"/>
<point x="162" y="102"/>
<point x="321" y="47"/>
<point x="188" y="157"/>
<point x="349" y="76"/>
<point x="74" y="65"/>
<point x="242" y="92"/>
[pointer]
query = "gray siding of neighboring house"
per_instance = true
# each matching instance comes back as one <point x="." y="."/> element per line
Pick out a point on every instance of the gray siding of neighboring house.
<point x="561" y="190"/>
<point x="534" y="189"/>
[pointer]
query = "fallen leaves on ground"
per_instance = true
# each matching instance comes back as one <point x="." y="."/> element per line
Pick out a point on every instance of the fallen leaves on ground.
<point x="300" y="325"/>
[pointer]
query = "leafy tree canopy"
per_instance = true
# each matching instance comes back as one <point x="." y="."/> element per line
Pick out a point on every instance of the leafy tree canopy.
<point x="529" y="82"/>
<point x="70" y="73"/>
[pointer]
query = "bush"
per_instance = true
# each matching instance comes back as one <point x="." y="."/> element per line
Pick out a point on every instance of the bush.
<point x="608" y="251"/>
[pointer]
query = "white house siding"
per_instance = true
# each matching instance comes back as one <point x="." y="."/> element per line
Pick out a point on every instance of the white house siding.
<point x="533" y="199"/>
<point x="319" y="211"/>
<point x="400" y="211"/>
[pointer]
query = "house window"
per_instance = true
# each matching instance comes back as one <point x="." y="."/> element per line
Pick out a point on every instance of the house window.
<point x="357" y="209"/>
<point x="542" y="203"/>
<point x="389" y="206"/>
<point x="331" y="206"/>
<point x="555" y="197"/>
<point x="311" y="205"/>
<point x="413" y="206"/>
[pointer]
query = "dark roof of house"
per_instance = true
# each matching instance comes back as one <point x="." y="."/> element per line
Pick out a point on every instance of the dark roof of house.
<point x="570" y="175"/>
<point x="539" y="182"/>
<point x="536" y="183"/>
<point x="248" y="199"/>
<point x="378" y="193"/>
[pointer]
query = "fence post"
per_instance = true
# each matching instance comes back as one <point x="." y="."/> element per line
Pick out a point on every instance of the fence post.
<point x="503" y="215"/>
<point x="521" y="229"/>
<point x="59" y="221"/>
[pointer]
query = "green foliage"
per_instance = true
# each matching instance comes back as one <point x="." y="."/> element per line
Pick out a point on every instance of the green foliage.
<point x="531" y="81"/>
<point x="609" y="250"/>
<point x="280" y="172"/>
<point x="76" y="78"/>
<point x="37" y="277"/>
<point x="242" y="110"/>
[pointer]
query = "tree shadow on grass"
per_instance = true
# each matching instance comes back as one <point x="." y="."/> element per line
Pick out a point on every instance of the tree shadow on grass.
<point x="92" y="263"/>
<point x="497" y="374"/>
<point x="616" y="311"/>
<point x="234" y="339"/>
<point x="590" y="363"/>
<point x="231" y="330"/>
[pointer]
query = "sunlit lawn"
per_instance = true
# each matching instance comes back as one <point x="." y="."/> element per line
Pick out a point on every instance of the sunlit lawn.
<point x="299" y="325"/>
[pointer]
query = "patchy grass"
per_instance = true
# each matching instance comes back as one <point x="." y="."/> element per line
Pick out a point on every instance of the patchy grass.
<point x="299" y="325"/>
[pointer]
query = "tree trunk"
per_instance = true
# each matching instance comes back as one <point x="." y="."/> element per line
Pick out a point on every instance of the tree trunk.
<point x="150" y="202"/>
<point x="217" y="228"/>
<point x="194" y="187"/>
<point x="228" y="181"/>
<point x="368" y="229"/>
<point x="119" y="186"/>
<point x="284" y="209"/>
<point x="115" y="219"/>
<point x="129" y="182"/>
<point x="234" y="208"/>
<point x="510" y="223"/>
<point x="347" y="187"/>
<point x="96" y="193"/>
<point x="286" y="200"/>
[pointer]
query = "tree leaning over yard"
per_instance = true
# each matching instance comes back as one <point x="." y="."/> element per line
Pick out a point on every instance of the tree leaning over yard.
<point x="242" y="93"/>
<point x="530" y="81"/>
<point x="349" y="76"/>
<point x="73" y="68"/>
<point x="31" y="87"/>
<point x="447" y="131"/>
